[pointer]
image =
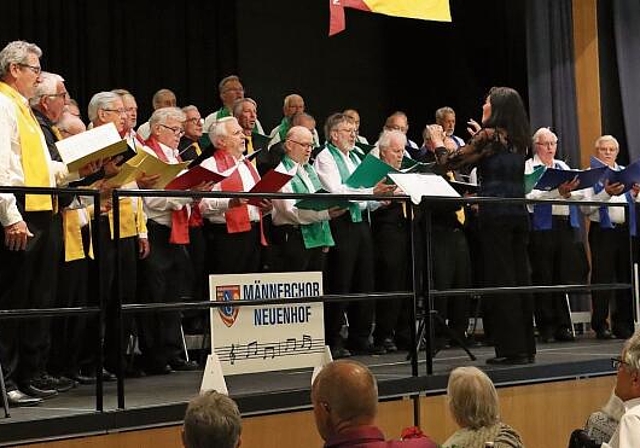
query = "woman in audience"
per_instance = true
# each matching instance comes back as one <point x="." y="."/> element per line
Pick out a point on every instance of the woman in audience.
<point x="498" y="150"/>
<point x="473" y="402"/>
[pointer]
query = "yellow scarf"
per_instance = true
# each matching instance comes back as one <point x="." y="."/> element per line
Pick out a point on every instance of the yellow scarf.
<point x="34" y="162"/>
<point x="73" y="246"/>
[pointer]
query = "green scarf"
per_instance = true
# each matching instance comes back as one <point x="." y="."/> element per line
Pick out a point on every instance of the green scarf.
<point x="283" y="128"/>
<point x="354" y="208"/>
<point x="223" y="112"/>
<point x="317" y="234"/>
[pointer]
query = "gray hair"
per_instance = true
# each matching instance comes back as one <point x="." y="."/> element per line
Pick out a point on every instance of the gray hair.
<point x="212" y="420"/>
<point x="386" y="137"/>
<point x="237" y="105"/>
<point x="189" y="108"/>
<point x="219" y="129"/>
<point x="473" y="400"/>
<point x="16" y="52"/>
<point x="440" y="113"/>
<point x="163" y="114"/>
<point x="227" y="79"/>
<point x="632" y="352"/>
<point x="155" y="100"/>
<point x="543" y="131"/>
<point x="607" y="138"/>
<point x="70" y="124"/>
<point x="101" y="100"/>
<point x="48" y="86"/>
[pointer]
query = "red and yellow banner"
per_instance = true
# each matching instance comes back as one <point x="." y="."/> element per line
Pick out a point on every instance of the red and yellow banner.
<point x="437" y="10"/>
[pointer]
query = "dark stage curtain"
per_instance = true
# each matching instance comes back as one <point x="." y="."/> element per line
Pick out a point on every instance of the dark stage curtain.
<point x="138" y="45"/>
<point x="619" y="51"/>
<point x="552" y="87"/>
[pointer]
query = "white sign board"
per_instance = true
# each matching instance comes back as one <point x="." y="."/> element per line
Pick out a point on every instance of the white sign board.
<point x="251" y="339"/>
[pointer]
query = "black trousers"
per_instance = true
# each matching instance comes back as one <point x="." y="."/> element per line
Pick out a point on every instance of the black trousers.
<point x="554" y="256"/>
<point x="232" y="253"/>
<point x="610" y="264"/>
<point x="69" y="332"/>
<point x="391" y="255"/>
<point x="165" y="274"/>
<point x="26" y="277"/>
<point x="290" y="253"/>
<point x="350" y="270"/>
<point x="504" y="241"/>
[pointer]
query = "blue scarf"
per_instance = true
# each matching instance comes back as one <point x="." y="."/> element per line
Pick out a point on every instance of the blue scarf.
<point x="605" y="219"/>
<point x="543" y="213"/>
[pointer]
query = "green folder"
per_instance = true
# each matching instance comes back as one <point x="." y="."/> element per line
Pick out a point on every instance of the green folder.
<point x="371" y="171"/>
<point x="531" y="179"/>
<point x="322" y="203"/>
<point x="413" y="166"/>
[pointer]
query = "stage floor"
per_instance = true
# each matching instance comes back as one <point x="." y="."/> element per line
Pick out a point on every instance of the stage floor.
<point x="160" y="400"/>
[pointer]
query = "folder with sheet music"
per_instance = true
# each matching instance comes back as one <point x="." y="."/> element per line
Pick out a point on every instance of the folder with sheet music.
<point x="371" y="171"/>
<point x="553" y="178"/>
<point x="627" y="176"/>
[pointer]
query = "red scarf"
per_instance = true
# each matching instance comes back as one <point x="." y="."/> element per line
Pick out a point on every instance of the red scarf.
<point x="180" y="219"/>
<point x="237" y="218"/>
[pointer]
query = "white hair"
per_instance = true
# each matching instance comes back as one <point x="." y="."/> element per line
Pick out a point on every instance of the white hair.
<point x="48" y="86"/>
<point x="16" y="52"/>
<point x="163" y="114"/>
<point x="101" y="100"/>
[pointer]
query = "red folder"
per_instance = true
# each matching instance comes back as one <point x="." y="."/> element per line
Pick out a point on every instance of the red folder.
<point x="271" y="182"/>
<point x="195" y="176"/>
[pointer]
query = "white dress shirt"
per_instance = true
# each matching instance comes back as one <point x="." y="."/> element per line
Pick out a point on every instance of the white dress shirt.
<point x="627" y="434"/>
<point x="556" y="209"/>
<point x="285" y="210"/>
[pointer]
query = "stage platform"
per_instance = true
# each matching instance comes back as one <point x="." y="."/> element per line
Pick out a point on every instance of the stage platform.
<point x="160" y="400"/>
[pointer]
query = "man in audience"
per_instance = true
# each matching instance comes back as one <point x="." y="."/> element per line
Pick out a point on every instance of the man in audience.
<point x="162" y="98"/>
<point x="345" y="405"/>
<point x="212" y="420"/>
<point x="627" y="435"/>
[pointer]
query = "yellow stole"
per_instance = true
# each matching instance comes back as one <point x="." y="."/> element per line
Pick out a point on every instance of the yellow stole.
<point x="73" y="248"/>
<point x="132" y="222"/>
<point x="34" y="162"/>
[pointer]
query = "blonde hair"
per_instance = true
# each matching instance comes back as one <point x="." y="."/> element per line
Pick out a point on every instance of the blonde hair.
<point x="473" y="400"/>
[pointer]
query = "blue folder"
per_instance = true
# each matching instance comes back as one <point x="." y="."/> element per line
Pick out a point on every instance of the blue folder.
<point x="553" y="178"/>
<point x="628" y="176"/>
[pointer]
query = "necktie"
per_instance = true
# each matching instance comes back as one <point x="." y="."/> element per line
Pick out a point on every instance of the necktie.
<point x="460" y="212"/>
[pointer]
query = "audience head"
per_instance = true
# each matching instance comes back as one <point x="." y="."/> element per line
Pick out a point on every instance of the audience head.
<point x="230" y="89"/>
<point x="131" y="106"/>
<point x="293" y="104"/>
<point x="227" y="135"/>
<point x="473" y="400"/>
<point x="545" y="144"/>
<point x="20" y="66"/>
<point x="340" y="131"/>
<point x="163" y="98"/>
<point x="246" y="111"/>
<point x="344" y="395"/>
<point x="397" y="121"/>
<point x="391" y="145"/>
<point x="607" y="149"/>
<point x="212" y="420"/>
<point x="69" y="125"/>
<point x="446" y="117"/>
<point x="298" y="144"/>
<point x="194" y="123"/>
<point x="50" y="96"/>
<point x="503" y="108"/>
<point x="628" y="369"/>
<point x="107" y="107"/>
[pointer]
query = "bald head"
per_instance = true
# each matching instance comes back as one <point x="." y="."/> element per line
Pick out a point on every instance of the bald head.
<point x="344" y="395"/>
<point x="298" y="144"/>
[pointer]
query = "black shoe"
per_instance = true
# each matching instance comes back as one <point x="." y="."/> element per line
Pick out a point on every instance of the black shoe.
<point x="389" y="345"/>
<point x="604" y="334"/>
<point x="544" y="336"/>
<point x="620" y="333"/>
<point x="377" y="349"/>
<point x="182" y="365"/>
<point x="108" y="376"/>
<point x="564" y="335"/>
<point x="18" y="399"/>
<point x="340" y="352"/>
<point x="83" y="379"/>
<point x="46" y="381"/>
<point x="34" y="391"/>
<point x="158" y="370"/>
<point x="510" y="360"/>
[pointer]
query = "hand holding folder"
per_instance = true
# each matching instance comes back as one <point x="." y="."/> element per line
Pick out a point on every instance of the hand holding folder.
<point x="371" y="171"/>
<point x="98" y="143"/>
<point x="271" y="182"/>
<point x="197" y="175"/>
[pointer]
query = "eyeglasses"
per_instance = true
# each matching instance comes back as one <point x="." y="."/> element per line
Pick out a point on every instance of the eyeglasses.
<point x="34" y="68"/>
<point x="548" y="144"/>
<point x="131" y="109"/>
<point x="617" y="362"/>
<point x="118" y="111"/>
<point x="304" y="145"/>
<point x="195" y="120"/>
<point x="605" y="149"/>
<point x="64" y="95"/>
<point x="176" y="131"/>
<point x="348" y="131"/>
